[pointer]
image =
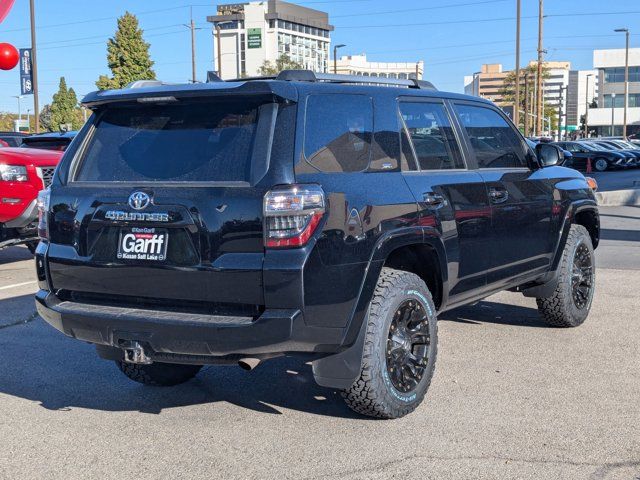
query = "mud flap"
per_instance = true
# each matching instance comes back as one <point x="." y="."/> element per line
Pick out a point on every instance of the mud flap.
<point x="341" y="369"/>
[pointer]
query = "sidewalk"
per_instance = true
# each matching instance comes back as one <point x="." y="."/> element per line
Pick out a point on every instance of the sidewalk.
<point x="618" y="188"/>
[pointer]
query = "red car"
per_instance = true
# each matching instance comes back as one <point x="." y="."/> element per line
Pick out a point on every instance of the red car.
<point x="23" y="173"/>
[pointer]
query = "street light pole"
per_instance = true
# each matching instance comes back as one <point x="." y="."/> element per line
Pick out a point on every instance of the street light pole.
<point x="586" y="107"/>
<point x="516" y="110"/>
<point x="335" y="56"/>
<point x="34" y="66"/>
<point x="539" y="93"/>
<point x="526" y="103"/>
<point x="626" y="79"/>
<point x="613" y="111"/>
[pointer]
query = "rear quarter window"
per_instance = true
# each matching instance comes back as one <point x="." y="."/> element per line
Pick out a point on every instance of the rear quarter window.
<point x="338" y="131"/>
<point x="186" y="142"/>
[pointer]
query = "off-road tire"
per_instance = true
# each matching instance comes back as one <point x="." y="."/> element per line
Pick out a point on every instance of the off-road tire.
<point x="159" y="374"/>
<point x="373" y="393"/>
<point x="559" y="310"/>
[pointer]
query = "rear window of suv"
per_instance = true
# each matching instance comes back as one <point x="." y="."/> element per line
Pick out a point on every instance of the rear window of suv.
<point x="204" y="141"/>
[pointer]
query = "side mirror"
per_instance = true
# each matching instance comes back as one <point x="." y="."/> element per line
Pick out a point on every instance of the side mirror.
<point x="549" y="155"/>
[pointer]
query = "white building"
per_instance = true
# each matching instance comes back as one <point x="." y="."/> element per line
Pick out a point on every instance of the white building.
<point x="583" y="89"/>
<point x="610" y="66"/>
<point x="358" y="65"/>
<point x="254" y="32"/>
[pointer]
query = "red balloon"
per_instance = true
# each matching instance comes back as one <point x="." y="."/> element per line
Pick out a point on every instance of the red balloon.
<point x="9" y="56"/>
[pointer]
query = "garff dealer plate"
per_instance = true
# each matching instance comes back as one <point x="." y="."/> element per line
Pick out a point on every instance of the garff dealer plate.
<point x="139" y="243"/>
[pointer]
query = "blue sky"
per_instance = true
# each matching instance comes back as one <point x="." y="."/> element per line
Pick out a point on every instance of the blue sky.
<point x="453" y="37"/>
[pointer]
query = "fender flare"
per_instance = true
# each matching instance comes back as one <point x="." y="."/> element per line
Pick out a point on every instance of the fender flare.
<point x="340" y="370"/>
<point x="550" y="281"/>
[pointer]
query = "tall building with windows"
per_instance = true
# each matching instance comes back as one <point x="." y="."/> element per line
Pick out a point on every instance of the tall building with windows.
<point x="608" y="118"/>
<point x="359" y="65"/>
<point x="254" y="32"/>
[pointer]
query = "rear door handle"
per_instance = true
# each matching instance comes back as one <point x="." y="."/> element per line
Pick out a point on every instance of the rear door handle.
<point x="498" y="195"/>
<point x="433" y="199"/>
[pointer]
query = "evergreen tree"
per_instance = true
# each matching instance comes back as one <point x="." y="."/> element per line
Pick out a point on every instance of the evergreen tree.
<point x="127" y="55"/>
<point x="64" y="107"/>
<point x="45" y="118"/>
<point x="283" y="62"/>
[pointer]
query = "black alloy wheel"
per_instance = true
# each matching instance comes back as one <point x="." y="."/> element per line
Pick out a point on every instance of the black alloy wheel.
<point x="582" y="276"/>
<point x="408" y="346"/>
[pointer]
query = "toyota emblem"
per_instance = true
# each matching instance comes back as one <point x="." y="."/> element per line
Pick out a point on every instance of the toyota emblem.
<point x="139" y="200"/>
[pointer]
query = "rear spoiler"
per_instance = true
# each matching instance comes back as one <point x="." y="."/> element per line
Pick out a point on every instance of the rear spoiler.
<point x="148" y="90"/>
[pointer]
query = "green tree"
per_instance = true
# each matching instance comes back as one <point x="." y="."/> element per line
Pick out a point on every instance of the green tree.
<point x="283" y="62"/>
<point x="528" y="78"/>
<point x="64" y="107"/>
<point x="127" y="55"/>
<point x="45" y="118"/>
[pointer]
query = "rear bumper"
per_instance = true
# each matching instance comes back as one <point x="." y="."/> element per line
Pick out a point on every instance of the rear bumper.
<point x="173" y="333"/>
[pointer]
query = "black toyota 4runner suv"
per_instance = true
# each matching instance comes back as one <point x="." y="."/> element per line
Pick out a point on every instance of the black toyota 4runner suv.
<point x="312" y="215"/>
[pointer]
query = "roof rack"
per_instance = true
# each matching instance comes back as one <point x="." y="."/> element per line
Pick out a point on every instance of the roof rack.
<point x="145" y="83"/>
<point x="310" y="76"/>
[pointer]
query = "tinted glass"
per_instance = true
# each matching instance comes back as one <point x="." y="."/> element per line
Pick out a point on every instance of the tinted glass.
<point x="338" y="132"/>
<point x="431" y="135"/>
<point x="493" y="140"/>
<point x="199" y="141"/>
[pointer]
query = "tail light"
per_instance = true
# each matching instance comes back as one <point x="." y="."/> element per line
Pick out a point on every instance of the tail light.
<point x="43" y="213"/>
<point x="292" y="213"/>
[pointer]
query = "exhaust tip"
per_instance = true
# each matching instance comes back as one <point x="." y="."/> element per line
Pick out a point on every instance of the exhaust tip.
<point x="248" y="363"/>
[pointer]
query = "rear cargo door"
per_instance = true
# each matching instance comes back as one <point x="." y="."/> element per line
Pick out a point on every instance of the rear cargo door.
<point x="163" y="205"/>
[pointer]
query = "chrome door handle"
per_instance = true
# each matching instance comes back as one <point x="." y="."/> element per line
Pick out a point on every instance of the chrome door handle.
<point x="498" y="195"/>
<point x="433" y="199"/>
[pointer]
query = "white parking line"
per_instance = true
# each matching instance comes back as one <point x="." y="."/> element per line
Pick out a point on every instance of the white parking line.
<point x="7" y="287"/>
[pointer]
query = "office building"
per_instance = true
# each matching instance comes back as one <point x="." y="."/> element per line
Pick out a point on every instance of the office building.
<point x="581" y="91"/>
<point x="608" y="118"/>
<point x="487" y="83"/>
<point x="359" y="65"/>
<point x="254" y="32"/>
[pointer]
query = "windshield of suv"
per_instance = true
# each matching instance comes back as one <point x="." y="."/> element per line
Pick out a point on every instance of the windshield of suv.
<point x="208" y="140"/>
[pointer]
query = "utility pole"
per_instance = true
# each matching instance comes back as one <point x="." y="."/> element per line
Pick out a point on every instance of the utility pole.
<point x="540" y="95"/>
<point x="417" y="70"/>
<point x="613" y="113"/>
<point x="335" y="57"/>
<point x="526" y="103"/>
<point x="193" y="49"/>
<point x="516" y="110"/>
<point x="586" y="107"/>
<point x="219" y="52"/>
<point x="626" y="80"/>
<point x="560" y="112"/>
<point x="34" y="66"/>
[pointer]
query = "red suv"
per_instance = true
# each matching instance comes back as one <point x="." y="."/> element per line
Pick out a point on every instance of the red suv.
<point x="23" y="173"/>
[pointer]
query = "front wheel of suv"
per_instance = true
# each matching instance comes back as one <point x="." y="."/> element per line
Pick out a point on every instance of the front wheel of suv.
<point x="159" y="374"/>
<point x="570" y="303"/>
<point x="400" y="348"/>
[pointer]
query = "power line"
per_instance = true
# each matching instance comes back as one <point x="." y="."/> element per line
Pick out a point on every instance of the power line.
<point x="438" y="7"/>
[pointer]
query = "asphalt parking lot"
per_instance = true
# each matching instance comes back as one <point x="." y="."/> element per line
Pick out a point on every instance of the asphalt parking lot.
<point x="511" y="398"/>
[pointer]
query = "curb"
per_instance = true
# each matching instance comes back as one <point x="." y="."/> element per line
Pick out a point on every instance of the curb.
<point x="619" y="198"/>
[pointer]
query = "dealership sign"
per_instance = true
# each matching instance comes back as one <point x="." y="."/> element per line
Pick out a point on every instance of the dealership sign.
<point x="26" y="72"/>
<point x="254" y="38"/>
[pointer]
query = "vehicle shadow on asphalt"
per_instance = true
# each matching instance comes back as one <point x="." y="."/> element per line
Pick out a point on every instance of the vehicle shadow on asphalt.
<point x="497" y="313"/>
<point x="14" y="254"/>
<point x="42" y="365"/>
<point x="620" y="235"/>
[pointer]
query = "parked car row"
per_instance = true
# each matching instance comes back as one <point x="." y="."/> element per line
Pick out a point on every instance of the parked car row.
<point x="27" y="164"/>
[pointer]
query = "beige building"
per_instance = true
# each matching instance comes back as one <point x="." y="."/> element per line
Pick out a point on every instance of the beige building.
<point x="486" y="83"/>
<point x="359" y="65"/>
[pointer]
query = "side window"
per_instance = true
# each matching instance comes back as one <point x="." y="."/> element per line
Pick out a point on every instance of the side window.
<point x="337" y="134"/>
<point x="429" y="129"/>
<point x="571" y="147"/>
<point x="493" y="140"/>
